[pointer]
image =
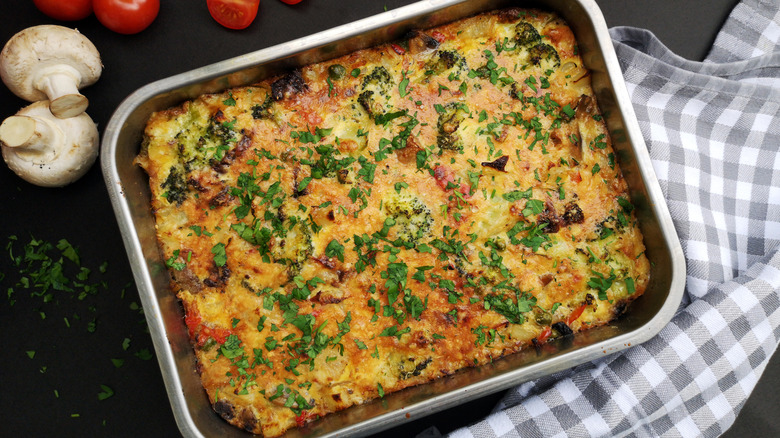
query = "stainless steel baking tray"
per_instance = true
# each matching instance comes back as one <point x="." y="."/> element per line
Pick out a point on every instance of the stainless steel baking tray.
<point x="129" y="192"/>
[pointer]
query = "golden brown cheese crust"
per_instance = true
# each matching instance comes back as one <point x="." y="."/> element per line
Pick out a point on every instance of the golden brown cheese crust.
<point x="389" y="217"/>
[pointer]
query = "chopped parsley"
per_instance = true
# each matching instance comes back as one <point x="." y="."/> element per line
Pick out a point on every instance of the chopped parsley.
<point x="220" y="257"/>
<point x="335" y="249"/>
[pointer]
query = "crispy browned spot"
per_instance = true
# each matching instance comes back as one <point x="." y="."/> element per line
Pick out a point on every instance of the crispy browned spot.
<point x="248" y="420"/>
<point x="420" y="42"/>
<point x="219" y="276"/>
<point x="573" y="214"/>
<point x="550" y="217"/>
<point x="222" y="198"/>
<point x="288" y="85"/>
<point x="225" y="409"/>
<point x="408" y="154"/>
<point x="232" y="154"/>
<point x="498" y="164"/>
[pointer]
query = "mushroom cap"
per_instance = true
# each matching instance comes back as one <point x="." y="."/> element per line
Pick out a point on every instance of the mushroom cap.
<point x="45" y="48"/>
<point x="72" y="158"/>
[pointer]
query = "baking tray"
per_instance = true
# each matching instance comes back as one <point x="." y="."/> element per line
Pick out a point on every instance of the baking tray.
<point x="129" y="192"/>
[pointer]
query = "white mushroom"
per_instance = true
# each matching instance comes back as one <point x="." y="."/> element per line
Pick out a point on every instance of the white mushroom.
<point x="48" y="151"/>
<point x="51" y="62"/>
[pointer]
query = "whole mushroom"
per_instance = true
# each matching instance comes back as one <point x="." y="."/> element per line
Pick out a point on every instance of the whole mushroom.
<point x="51" y="62"/>
<point x="48" y="151"/>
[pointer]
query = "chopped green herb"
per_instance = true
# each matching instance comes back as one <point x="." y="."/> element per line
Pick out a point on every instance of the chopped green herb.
<point x="220" y="257"/>
<point x="335" y="249"/>
<point x="105" y="393"/>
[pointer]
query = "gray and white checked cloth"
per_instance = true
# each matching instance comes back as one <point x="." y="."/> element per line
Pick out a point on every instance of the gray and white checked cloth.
<point x="713" y="132"/>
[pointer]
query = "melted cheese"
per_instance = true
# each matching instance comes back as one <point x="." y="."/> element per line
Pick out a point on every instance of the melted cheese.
<point x="447" y="201"/>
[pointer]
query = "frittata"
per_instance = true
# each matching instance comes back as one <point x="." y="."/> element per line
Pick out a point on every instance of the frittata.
<point x="379" y="220"/>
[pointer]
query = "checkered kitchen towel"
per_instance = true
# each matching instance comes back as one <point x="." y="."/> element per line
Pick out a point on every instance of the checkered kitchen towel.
<point x="713" y="132"/>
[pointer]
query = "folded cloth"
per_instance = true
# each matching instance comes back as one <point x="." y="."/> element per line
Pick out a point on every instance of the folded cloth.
<point x="713" y="132"/>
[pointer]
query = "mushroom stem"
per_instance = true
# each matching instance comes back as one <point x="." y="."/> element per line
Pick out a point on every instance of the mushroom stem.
<point x="61" y="87"/>
<point x="33" y="137"/>
<point x="45" y="150"/>
<point x="51" y="62"/>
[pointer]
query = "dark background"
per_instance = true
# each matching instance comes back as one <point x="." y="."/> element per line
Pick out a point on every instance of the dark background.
<point x="55" y="392"/>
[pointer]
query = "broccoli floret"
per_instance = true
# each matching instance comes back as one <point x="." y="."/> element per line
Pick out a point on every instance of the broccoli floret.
<point x="526" y="34"/>
<point x="175" y="187"/>
<point x="220" y="137"/>
<point x="221" y="131"/>
<point x="412" y="367"/>
<point x="449" y="121"/>
<point x="608" y="227"/>
<point x="263" y="111"/>
<point x="294" y="246"/>
<point x="281" y="236"/>
<point x="545" y="56"/>
<point x="413" y="219"/>
<point x="447" y="60"/>
<point x="376" y="92"/>
<point x="368" y="101"/>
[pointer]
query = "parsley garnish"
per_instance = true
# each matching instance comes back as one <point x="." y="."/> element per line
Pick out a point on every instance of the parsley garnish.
<point x="335" y="249"/>
<point x="630" y="288"/>
<point x="601" y="283"/>
<point x="532" y="207"/>
<point x="394" y="331"/>
<point x="308" y="137"/>
<point x="516" y="195"/>
<point x="105" y="393"/>
<point x="230" y="101"/>
<point x="512" y="310"/>
<point x="402" y="87"/>
<point x="220" y="257"/>
<point x="172" y="263"/>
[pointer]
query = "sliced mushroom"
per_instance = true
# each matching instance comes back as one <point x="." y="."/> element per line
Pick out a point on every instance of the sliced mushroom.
<point x="51" y="62"/>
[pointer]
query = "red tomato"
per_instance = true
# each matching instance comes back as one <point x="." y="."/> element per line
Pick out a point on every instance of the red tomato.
<point x="445" y="177"/>
<point x="70" y="10"/>
<point x="546" y="332"/>
<point x="398" y="49"/>
<point x="575" y="314"/>
<point x="126" y="16"/>
<point x="291" y="2"/>
<point x="193" y="321"/>
<point x="233" y="14"/>
<point x="218" y="333"/>
<point x="305" y="415"/>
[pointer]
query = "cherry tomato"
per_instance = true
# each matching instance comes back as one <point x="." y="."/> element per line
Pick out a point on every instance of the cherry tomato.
<point x="291" y="2"/>
<point x="71" y="10"/>
<point x="233" y="14"/>
<point x="126" y="16"/>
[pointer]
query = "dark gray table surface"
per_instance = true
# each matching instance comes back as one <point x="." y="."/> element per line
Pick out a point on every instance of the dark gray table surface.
<point x="55" y="392"/>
